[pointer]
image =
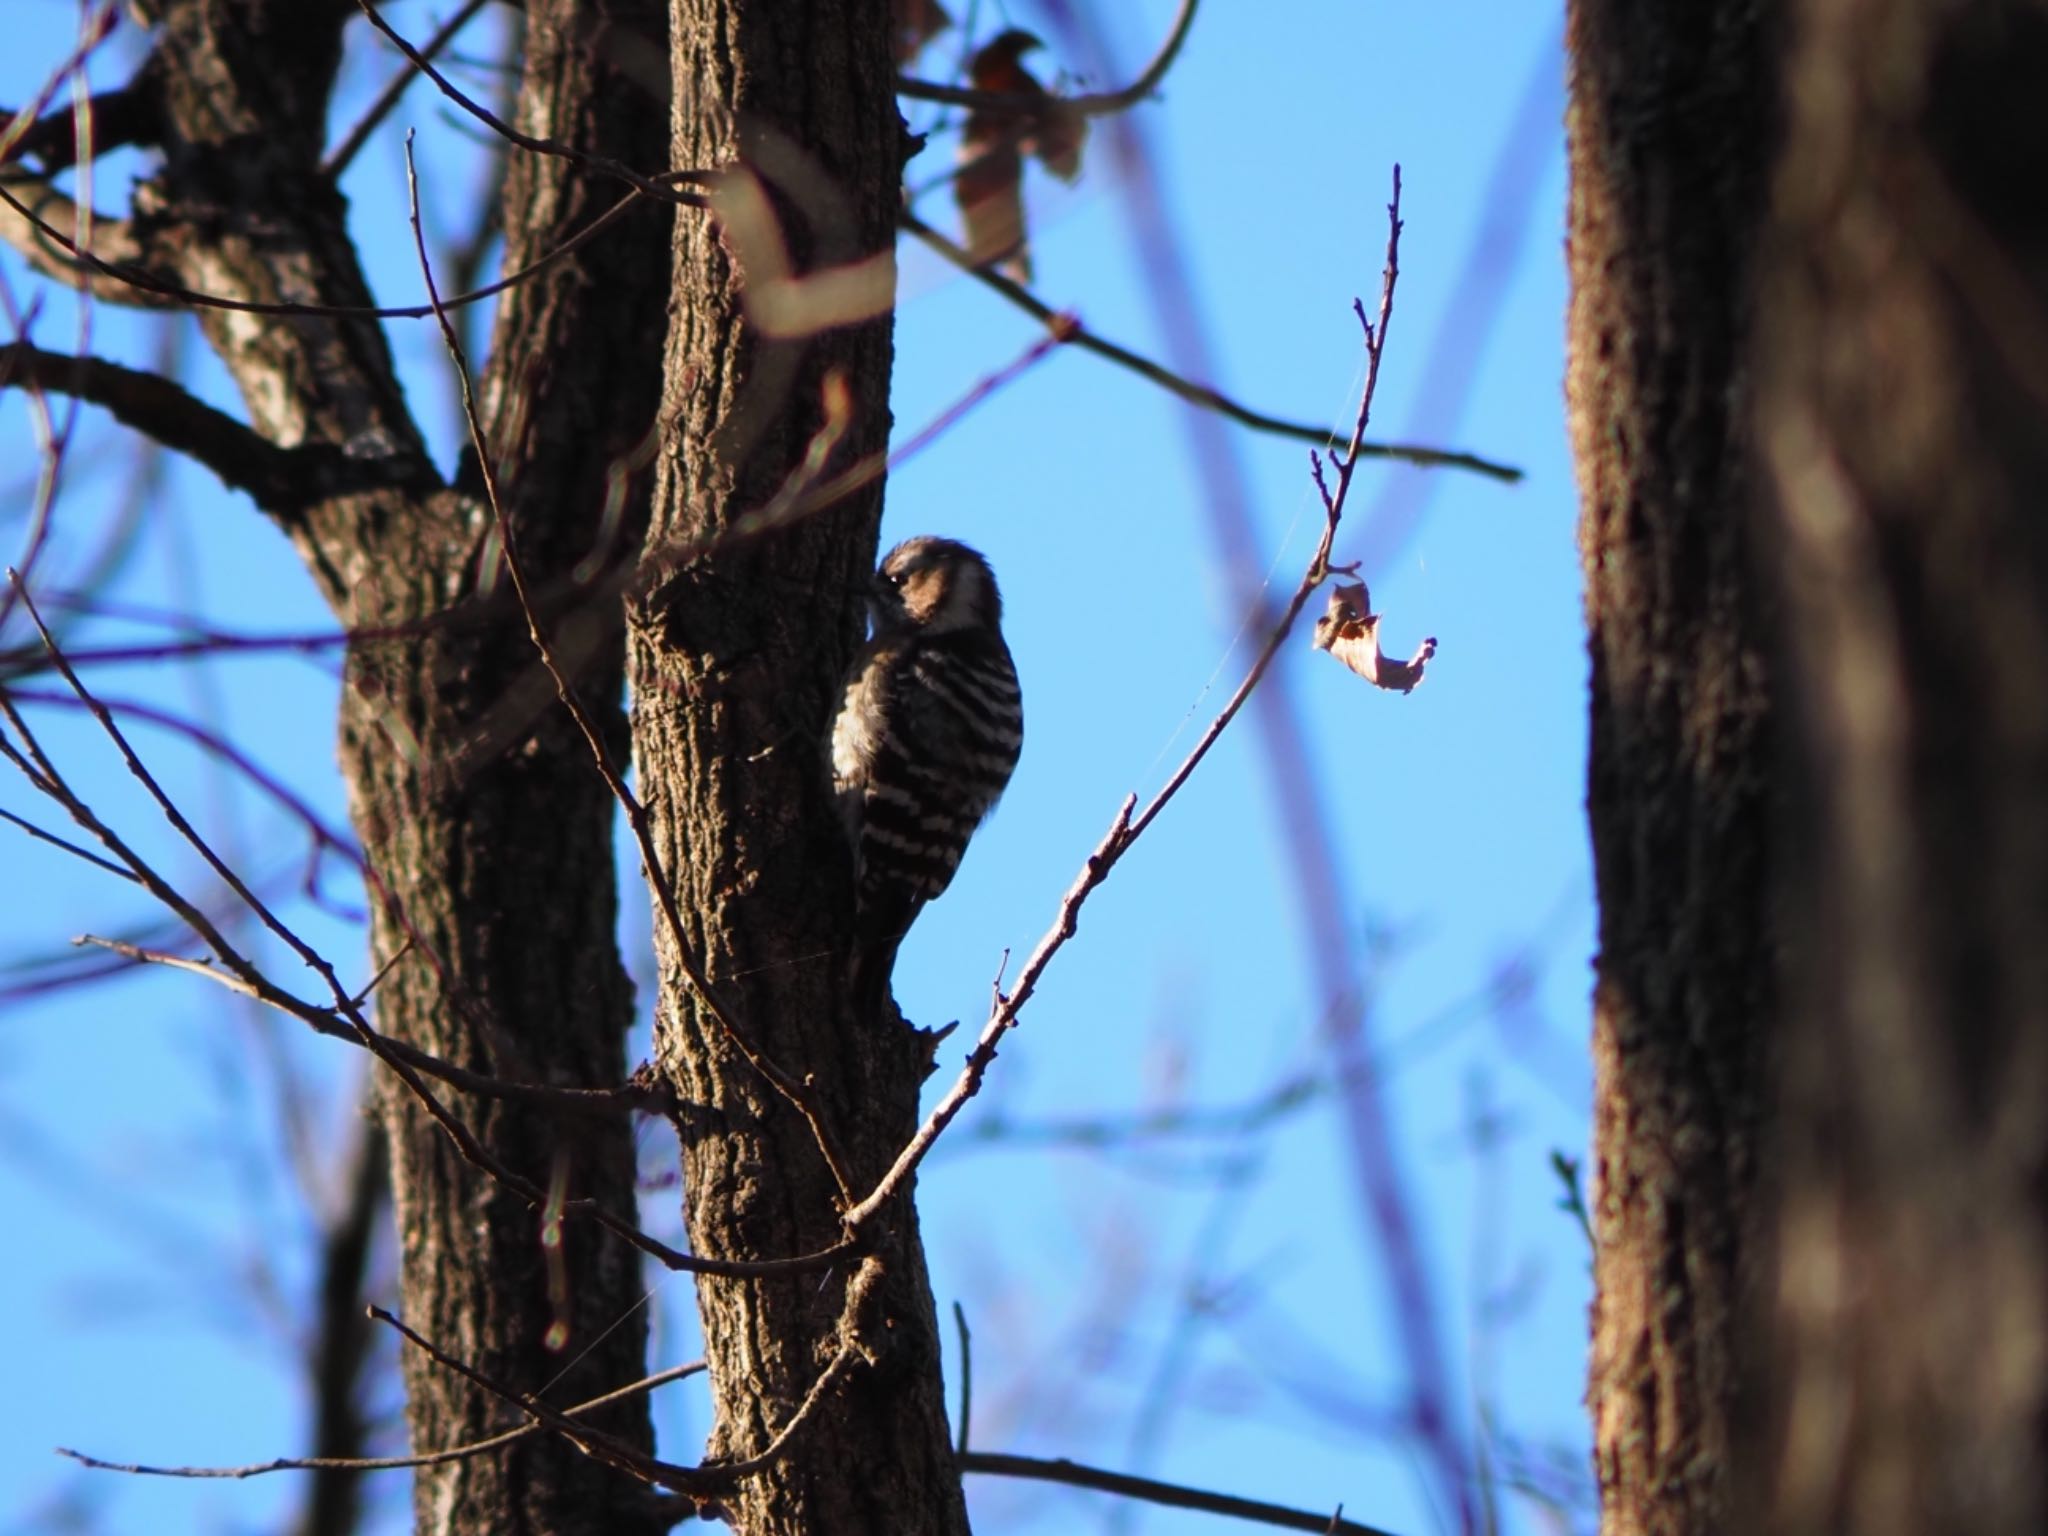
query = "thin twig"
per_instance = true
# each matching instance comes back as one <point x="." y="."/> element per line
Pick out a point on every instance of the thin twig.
<point x="1186" y="389"/>
<point x="660" y="188"/>
<point x="162" y="290"/>
<point x="388" y="1463"/>
<point x="1074" y="1475"/>
<point x="324" y="837"/>
<point x="327" y="1021"/>
<point x="707" y="1479"/>
<point x="1100" y="104"/>
<point x="1124" y="829"/>
<point x="338" y="158"/>
<point x="608" y="1449"/>
<point x="797" y="1093"/>
<point x="66" y="844"/>
<point x="246" y="976"/>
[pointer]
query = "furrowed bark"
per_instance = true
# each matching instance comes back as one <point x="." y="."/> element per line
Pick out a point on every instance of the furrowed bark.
<point x="736" y="661"/>
<point x="1669" y="137"/>
<point x="474" y="796"/>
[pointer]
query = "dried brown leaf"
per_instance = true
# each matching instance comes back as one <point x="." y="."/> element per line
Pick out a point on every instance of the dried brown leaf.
<point x="990" y="184"/>
<point x="1350" y="631"/>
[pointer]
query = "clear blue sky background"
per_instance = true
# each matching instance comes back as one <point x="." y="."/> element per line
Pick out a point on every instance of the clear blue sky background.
<point x="1209" y="1309"/>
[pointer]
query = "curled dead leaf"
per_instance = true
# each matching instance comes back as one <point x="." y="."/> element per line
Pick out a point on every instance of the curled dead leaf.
<point x="1350" y="631"/>
<point x="998" y="139"/>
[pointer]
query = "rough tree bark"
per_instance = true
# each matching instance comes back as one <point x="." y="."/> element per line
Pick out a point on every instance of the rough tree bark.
<point x="735" y="662"/>
<point x="1903" y="407"/>
<point x="474" y="798"/>
<point x="1668" y="124"/>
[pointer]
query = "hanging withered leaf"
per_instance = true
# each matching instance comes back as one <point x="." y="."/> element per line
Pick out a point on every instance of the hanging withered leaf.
<point x="1350" y="631"/>
<point x="995" y="143"/>
<point x="916" y="23"/>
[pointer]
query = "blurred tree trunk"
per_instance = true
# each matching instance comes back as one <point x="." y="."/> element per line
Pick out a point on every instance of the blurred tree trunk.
<point x="1668" y="123"/>
<point x="736" y="662"/>
<point x="1903" y="406"/>
<point x="488" y="833"/>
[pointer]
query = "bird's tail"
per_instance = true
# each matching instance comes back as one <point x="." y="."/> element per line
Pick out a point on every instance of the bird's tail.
<point x="877" y="937"/>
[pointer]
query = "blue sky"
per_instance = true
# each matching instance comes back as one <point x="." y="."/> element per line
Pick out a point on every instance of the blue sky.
<point x="1213" y="1309"/>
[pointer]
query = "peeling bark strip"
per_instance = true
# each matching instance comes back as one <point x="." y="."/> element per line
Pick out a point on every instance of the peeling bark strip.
<point x="473" y="796"/>
<point x="736" y="661"/>
<point x="1903" y="414"/>
<point x="1668" y="130"/>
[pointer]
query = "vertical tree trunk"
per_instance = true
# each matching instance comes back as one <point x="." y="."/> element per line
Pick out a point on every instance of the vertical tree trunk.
<point x="736" y="661"/>
<point x="1670" y="107"/>
<point x="474" y="797"/>
<point x="1904" y="411"/>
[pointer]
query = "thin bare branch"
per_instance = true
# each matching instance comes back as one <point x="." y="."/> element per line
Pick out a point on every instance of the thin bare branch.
<point x="703" y="1480"/>
<point x="1175" y="1495"/>
<point x="325" y="839"/>
<point x="246" y="976"/>
<point x="338" y="158"/>
<point x="1096" y="105"/>
<point x="66" y="844"/>
<point x="329" y="1022"/>
<point x="1186" y="389"/>
<point x="48" y="248"/>
<point x="661" y="187"/>
<point x="388" y="1463"/>
<point x="1125" y="829"/>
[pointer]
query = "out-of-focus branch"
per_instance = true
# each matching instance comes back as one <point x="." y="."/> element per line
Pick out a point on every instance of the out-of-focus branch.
<point x="1175" y="1495"/>
<point x="1208" y="399"/>
<point x="1098" y="105"/>
<point x="33" y="221"/>
<point x="341" y="1348"/>
<point x="167" y="413"/>
<point x="130" y="114"/>
<point x="18" y="125"/>
<point x="244" y="976"/>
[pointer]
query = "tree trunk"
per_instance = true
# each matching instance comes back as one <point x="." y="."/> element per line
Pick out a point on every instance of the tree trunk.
<point x="1668" y="124"/>
<point x="1904" y="413"/>
<point x="736" y="661"/>
<point x="487" y="831"/>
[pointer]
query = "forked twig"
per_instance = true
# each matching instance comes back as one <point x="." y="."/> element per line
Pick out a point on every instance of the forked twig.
<point x="389" y="1463"/>
<point x="1125" y="828"/>
<point x="346" y="1015"/>
<point x="704" y="1480"/>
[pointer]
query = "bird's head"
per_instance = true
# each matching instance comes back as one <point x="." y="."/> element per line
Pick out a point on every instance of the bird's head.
<point x="935" y="585"/>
